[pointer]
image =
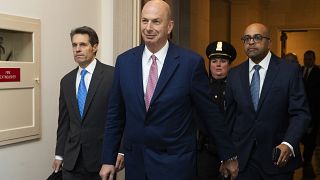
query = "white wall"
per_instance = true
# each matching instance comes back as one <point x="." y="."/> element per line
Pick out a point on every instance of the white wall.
<point x="32" y="160"/>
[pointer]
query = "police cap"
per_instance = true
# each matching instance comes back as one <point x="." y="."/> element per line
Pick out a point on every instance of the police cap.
<point x="221" y="49"/>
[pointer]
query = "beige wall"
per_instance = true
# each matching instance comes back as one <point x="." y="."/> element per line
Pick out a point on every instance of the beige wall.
<point x="32" y="160"/>
<point x="199" y="25"/>
<point x="285" y="14"/>
<point x="277" y="15"/>
<point x="219" y="20"/>
<point x="300" y="42"/>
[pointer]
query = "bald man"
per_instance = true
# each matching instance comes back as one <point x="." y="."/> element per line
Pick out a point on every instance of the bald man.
<point x="266" y="110"/>
<point x="156" y="88"/>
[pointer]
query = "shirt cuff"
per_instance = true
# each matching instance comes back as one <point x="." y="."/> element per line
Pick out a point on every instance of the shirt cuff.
<point x="121" y="154"/>
<point x="57" y="157"/>
<point x="291" y="148"/>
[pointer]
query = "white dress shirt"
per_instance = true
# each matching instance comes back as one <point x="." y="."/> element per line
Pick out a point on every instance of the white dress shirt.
<point x="87" y="77"/>
<point x="263" y="70"/>
<point x="146" y="62"/>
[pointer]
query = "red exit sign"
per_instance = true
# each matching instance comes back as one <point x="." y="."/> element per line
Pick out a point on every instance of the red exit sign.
<point x="9" y="74"/>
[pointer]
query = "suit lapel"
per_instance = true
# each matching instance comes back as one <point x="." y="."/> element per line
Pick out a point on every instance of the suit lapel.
<point x="272" y="72"/>
<point x="245" y="83"/>
<point x="94" y="83"/>
<point x="137" y="73"/>
<point x="170" y="64"/>
<point x="71" y="88"/>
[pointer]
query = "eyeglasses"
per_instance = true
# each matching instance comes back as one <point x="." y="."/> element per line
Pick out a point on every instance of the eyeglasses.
<point x="256" y="38"/>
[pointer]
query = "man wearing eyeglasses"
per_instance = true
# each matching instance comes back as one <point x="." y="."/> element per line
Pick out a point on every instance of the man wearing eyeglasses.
<point x="266" y="110"/>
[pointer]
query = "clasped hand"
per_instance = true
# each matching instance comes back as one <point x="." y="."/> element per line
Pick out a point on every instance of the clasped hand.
<point x="230" y="168"/>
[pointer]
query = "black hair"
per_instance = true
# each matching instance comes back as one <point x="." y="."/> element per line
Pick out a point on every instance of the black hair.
<point x="93" y="37"/>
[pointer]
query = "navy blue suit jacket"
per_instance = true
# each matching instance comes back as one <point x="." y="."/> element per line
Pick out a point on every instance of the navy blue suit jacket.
<point x="161" y="143"/>
<point x="282" y="113"/>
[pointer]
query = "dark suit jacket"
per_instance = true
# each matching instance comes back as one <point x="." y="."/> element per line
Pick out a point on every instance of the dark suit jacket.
<point x="312" y="85"/>
<point x="161" y="143"/>
<point x="86" y="134"/>
<point x="282" y="114"/>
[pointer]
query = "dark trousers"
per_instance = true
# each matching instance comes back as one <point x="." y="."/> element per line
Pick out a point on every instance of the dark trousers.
<point x="79" y="172"/>
<point x="309" y="144"/>
<point x="71" y="175"/>
<point x="253" y="171"/>
<point x="208" y="165"/>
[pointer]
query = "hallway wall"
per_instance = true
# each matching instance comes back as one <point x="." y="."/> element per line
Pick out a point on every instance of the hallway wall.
<point x="277" y="15"/>
<point x="32" y="160"/>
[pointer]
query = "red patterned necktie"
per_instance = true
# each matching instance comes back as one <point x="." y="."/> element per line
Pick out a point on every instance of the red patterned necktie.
<point x="152" y="81"/>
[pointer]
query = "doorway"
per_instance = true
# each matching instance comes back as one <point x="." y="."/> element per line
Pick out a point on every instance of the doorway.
<point x="298" y="41"/>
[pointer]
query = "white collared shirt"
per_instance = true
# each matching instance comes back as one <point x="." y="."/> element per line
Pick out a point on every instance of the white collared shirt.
<point x="263" y="70"/>
<point x="146" y="62"/>
<point x="88" y="76"/>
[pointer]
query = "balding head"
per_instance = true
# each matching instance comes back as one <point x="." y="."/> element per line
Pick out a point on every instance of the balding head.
<point x="258" y="28"/>
<point x="159" y="5"/>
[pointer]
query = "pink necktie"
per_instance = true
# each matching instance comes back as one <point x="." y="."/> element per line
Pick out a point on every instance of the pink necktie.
<point x="152" y="81"/>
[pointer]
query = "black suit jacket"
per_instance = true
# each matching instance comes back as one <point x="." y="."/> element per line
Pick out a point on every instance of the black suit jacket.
<point x="312" y="86"/>
<point x="86" y="134"/>
<point x="282" y="113"/>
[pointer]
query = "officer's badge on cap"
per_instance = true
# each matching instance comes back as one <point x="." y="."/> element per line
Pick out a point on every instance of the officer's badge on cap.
<point x="221" y="49"/>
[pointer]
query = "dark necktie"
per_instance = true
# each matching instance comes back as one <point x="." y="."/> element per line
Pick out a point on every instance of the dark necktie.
<point x="255" y="86"/>
<point x="82" y="92"/>
<point x="152" y="81"/>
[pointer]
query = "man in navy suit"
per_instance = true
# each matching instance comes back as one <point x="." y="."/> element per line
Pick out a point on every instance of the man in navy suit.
<point x="158" y="132"/>
<point x="81" y="127"/>
<point x="266" y="109"/>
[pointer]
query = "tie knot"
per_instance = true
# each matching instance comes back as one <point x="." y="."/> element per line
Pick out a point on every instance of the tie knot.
<point x="83" y="73"/>
<point x="256" y="67"/>
<point x="153" y="57"/>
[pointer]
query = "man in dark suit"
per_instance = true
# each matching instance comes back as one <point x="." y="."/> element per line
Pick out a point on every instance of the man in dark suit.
<point x="155" y="115"/>
<point x="311" y="76"/>
<point x="266" y="108"/>
<point x="82" y="110"/>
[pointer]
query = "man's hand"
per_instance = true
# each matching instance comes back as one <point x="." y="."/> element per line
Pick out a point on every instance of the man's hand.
<point x="107" y="172"/>
<point x="230" y="168"/>
<point x="120" y="162"/>
<point x="284" y="155"/>
<point x="56" y="165"/>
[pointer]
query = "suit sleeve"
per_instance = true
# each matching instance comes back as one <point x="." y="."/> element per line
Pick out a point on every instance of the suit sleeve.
<point x="209" y="112"/>
<point x="297" y="108"/>
<point x="63" y="124"/>
<point x="230" y="104"/>
<point x="114" y="120"/>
